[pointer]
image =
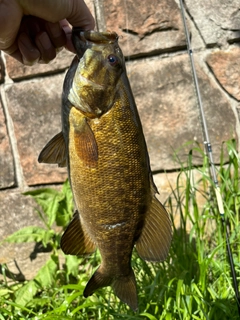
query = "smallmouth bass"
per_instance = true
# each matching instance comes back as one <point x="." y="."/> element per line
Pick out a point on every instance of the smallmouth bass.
<point x="103" y="146"/>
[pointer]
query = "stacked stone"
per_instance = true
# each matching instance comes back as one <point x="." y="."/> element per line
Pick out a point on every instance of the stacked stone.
<point x="153" y="41"/>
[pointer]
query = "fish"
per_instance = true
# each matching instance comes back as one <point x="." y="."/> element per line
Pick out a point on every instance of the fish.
<point x="103" y="146"/>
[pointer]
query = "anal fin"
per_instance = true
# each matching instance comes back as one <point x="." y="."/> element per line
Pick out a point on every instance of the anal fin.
<point x="155" y="239"/>
<point x="54" y="151"/>
<point x="75" y="239"/>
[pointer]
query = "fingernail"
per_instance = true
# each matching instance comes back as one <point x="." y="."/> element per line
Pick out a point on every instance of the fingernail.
<point x="30" y="54"/>
<point x="26" y="42"/>
<point x="45" y="41"/>
<point x="59" y="49"/>
<point x="29" y="63"/>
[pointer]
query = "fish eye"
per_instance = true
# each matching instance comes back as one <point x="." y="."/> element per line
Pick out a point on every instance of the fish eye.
<point x="113" y="60"/>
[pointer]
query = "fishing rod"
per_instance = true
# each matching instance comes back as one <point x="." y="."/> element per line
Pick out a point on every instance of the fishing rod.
<point x="210" y="157"/>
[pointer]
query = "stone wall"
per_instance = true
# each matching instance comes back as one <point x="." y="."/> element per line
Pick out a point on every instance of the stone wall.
<point x="153" y="41"/>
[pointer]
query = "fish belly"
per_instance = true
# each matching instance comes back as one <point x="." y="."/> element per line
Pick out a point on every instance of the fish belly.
<point x="112" y="194"/>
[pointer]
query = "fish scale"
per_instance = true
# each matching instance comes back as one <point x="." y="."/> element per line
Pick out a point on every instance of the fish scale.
<point x="103" y="146"/>
<point x="122" y="162"/>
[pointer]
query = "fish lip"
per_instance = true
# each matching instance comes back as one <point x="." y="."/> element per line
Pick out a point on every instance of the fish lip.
<point x="79" y="41"/>
<point x="82" y="39"/>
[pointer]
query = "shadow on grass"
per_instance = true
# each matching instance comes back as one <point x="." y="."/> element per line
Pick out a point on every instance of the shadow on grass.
<point x="6" y="273"/>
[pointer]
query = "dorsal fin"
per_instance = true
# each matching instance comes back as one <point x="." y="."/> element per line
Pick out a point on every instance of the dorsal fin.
<point x="75" y="239"/>
<point x="154" y="242"/>
<point x="54" y="151"/>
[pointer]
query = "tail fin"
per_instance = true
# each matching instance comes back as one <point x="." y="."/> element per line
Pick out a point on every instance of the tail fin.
<point x="123" y="286"/>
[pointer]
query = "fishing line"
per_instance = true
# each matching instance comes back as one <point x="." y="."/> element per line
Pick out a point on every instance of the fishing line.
<point x="210" y="157"/>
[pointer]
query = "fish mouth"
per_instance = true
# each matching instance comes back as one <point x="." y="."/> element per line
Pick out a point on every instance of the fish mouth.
<point x="83" y="40"/>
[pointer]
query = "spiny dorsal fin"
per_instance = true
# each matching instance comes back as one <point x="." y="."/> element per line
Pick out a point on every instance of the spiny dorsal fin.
<point x="85" y="143"/>
<point x="123" y="286"/>
<point x="75" y="240"/>
<point x="54" y="151"/>
<point x="155" y="239"/>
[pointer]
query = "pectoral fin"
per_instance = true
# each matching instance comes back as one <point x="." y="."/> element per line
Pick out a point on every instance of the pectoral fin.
<point x="154" y="242"/>
<point x="85" y="143"/>
<point x="54" y="151"/>
<point x="75" y="240"/>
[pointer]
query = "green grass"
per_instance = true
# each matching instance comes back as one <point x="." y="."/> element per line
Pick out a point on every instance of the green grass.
<point x="193" y="283"/>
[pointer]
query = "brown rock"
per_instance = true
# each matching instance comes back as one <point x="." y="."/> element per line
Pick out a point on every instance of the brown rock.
<point x="164" y="93"/>
<point x="18" y="71"/>
<point x="19" y="211"/>
<point x="145" y="29"/>
<point x="226" y="68"/>
<point x="173" y="184"/>
<point x="23" y="262"/>
<point x="35" y="108"/>
<point x="174" y="187"/>
<point x="170" y="185"/>
<point x="1" y="69"/>
<point x="6" y="159"/>
<point x="217" y="21"/>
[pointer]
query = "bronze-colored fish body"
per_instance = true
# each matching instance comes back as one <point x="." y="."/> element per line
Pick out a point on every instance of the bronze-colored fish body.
<point x="109" y="170"/>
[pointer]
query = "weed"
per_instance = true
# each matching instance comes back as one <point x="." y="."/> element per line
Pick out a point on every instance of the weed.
<point x="193" y="283"/>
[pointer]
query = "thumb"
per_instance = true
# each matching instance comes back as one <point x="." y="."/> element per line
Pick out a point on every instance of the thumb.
<point x="75" y="11"/>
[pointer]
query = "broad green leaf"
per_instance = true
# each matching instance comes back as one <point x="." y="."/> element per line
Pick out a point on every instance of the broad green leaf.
<point x="47" y="237"/>
<point x="72" y="264"/>
<point x="26" y="293"/>
<point x="53" y="207"/>
<point x="74" y="286"/>
<point x="4" y="291"/>
<point x="44" y="278"/>
<point x="4" y="311"/>
<point x="148" y="315"/>
<point x="27" y="234"/>
<point x="48" y="199"/>
<point x="66" y="190"/>
<point x="65" y="209"/>
<point x="47" y="274"/>
<point x="1" y="316"/>
<point x="63" y="216"/>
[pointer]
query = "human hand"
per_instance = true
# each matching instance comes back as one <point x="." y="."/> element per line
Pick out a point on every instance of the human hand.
<point x="34" y="31"/>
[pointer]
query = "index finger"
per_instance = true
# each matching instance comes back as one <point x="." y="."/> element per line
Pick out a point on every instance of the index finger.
<point x="75" y="11"/>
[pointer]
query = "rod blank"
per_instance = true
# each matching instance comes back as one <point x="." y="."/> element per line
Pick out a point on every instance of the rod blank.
<point x="210" y="157"/>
